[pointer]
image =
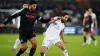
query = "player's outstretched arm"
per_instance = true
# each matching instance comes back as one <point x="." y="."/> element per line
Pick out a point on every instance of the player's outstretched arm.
<point x="62" y="37"/>
<point x="9" y="19"/>
<point x="53" y="20"/>
<point x="43" y="20"/>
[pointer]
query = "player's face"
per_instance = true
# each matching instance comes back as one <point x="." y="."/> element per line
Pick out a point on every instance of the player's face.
<point x="33" y="6"/>
<point x="90" y="10"/>
<point x="64" y="18"/>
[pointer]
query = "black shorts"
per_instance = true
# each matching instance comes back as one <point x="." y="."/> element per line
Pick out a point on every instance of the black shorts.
<point x="87" y="28"/>
<point x="25" y="35"/>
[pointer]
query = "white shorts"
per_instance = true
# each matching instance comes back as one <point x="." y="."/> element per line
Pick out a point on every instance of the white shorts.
<point x="92" y="29"/>
<point x="48" y="42"/>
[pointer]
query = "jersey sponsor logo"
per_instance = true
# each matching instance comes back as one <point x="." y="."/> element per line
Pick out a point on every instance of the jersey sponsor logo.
<point x="31" y="16"/>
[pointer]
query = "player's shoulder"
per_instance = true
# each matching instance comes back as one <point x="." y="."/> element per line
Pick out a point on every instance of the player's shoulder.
<point x="85" y="14"/>
<point x="25" y="9"/>
<point x="93" y="14"/>
<point x="56" y="17"/>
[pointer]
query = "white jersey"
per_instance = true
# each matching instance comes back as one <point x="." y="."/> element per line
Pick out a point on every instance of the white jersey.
<point x="17" y="20"/>
<point x="93" y="15"/>
<point x="54" y="29"/>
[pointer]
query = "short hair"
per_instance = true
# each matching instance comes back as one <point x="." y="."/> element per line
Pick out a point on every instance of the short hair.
<point x="64" y="13"/>
<point x="32" y="2"/>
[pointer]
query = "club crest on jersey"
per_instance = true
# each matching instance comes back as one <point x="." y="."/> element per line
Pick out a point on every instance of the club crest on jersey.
<point x="55" y="23"/>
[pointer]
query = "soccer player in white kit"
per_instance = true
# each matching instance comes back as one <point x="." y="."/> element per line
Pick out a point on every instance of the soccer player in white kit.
<point x="53" y="34"/>
<point x="16" y="24"/>
<point x="93" y="26"/>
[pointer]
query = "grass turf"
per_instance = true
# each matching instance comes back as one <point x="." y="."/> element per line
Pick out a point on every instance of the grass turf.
<point x="74" y="46"/>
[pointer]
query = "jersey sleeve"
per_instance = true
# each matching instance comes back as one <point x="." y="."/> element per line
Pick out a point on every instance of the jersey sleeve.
<point x="14" y="20"/>
<point x="13" y="16"/>
<point x="42" y="19"/>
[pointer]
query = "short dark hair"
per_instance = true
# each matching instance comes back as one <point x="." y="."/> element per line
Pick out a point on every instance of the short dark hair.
<point x="64" y="13"/>
<point x="32" y="2"/>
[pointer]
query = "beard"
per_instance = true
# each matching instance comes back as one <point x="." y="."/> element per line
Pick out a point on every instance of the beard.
<point x="63" y="21"/>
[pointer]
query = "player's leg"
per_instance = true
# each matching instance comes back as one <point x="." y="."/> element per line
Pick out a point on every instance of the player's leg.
<point x="92" y="37"/>
<point x="43" y="50"/>
<point x="23" y="40"/>
<point x="61" y="46"/>
<point x="17" y="42"/>
<point x="22" y="49"/>
<point x="84" y="35"/>
<point x="24" y="45"/>
<point x="45" y="45"/>
<point x="88" y="39"/>
<point x="16" y="45"/>
<point x="34" y="46"/>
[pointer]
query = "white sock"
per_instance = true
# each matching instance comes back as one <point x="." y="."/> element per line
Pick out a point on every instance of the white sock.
<point x="89" y="40"/>
<point x="44" y="55"/>
<point x="16" y="43"/>
<point x="27" y="51"/>
<point x="65" y="52"/>
<point x="95" y="42"/>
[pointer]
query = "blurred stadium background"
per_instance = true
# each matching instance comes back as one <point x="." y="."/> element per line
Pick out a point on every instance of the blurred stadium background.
<point x="51" y="8"/>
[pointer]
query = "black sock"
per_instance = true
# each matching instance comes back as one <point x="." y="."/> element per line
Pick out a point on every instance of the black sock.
<point x="32" y="51"/>
<point x="42" y="54"/>
<point x="21" y="51"/>
<point x="93" y="38"/>
<point x="85" y="39"/>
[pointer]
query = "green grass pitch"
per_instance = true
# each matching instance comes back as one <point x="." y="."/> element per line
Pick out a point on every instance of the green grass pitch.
<point x="74" y="46"/>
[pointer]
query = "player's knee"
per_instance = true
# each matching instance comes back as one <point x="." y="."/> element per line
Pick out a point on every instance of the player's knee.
<point x="25" y="47"/>
<point x="84" y="35"/>
<point x="34" y="45"/>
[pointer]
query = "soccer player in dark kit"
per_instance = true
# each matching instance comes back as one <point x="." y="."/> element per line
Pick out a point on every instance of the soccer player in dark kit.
<point x="87" y="27"/>
<point x="26" y="30"/>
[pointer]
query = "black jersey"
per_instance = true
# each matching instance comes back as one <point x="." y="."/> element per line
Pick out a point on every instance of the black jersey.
<point x="28" y="18"/>
<point x="88" y="21"/>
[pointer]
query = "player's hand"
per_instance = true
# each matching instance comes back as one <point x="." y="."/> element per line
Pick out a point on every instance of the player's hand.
<point x="65" y="42"/>
<point x="14" y="25"/>
<point x="1" y="25"/>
